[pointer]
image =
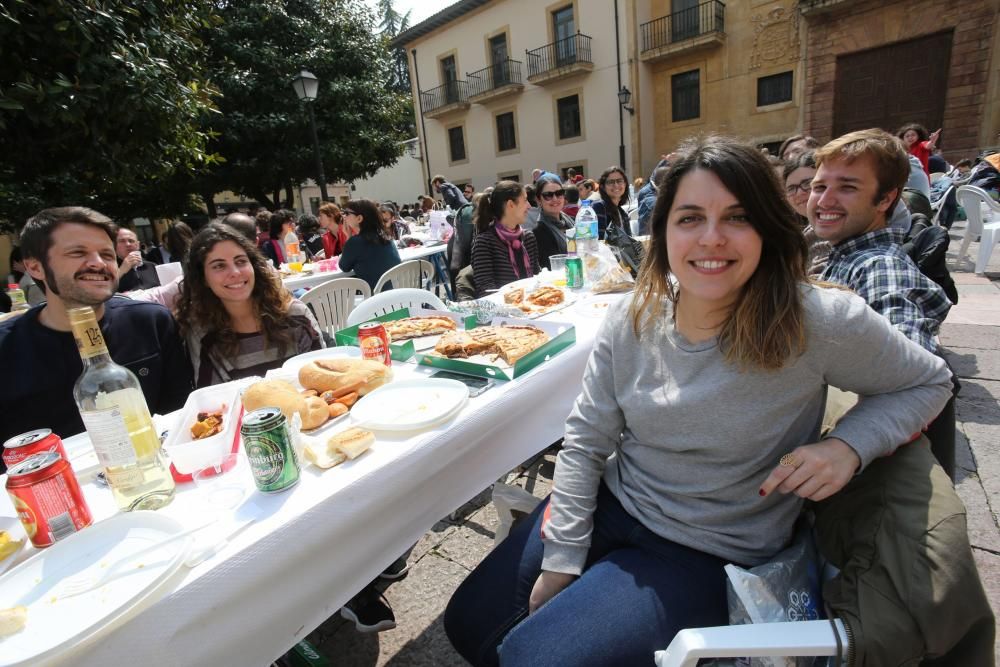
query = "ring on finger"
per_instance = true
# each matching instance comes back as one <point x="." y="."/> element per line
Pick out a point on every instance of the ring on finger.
<point x="790" y="461"/>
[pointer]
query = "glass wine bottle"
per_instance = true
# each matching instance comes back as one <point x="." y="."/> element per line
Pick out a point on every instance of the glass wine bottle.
<point x="114" y="412"/>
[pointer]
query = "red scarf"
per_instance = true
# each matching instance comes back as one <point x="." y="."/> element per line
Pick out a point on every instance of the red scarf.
<point x="513" y="240"/>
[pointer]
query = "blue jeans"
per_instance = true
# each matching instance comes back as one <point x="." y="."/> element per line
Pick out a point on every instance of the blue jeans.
<point x="636" y="592"/>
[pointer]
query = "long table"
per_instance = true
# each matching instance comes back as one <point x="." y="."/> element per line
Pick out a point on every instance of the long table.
<point x="313" y="547"/>
<point x="318" y="278"/>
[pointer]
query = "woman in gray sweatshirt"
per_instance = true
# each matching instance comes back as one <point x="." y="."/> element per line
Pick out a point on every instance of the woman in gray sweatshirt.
<point x="695" y="440"/>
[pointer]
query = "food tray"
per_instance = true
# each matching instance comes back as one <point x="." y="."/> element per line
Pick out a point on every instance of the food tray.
<point x="529" y="285"/>
<point x="404" y="350"/>
<point x="187" y="454"/>
<point x="561" y="336"/>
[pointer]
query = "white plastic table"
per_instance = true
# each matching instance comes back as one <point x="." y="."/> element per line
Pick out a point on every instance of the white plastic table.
<point x="317" y="278"/>
<point x="313" y="547"/>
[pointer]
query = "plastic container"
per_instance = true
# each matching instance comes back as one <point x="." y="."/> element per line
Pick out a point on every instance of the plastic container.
<point x="188" y="454"/>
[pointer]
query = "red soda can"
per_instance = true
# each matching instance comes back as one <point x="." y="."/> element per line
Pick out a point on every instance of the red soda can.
<point x="373" y="340"/>
<point x="47" y="498"/>
<point x="28" y="444"/>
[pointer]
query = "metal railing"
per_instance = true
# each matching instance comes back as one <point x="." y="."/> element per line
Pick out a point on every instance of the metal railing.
<point x="451" y="92"/>
<point x="685" y="24"/>
<point x="560" y="53"/>
<point x="497" y="75"/>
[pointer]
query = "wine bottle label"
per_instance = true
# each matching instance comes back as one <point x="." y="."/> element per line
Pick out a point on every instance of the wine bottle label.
<point x="125" y="478"/>
<point x="109" y="435"/>
<point x="89" y="338"/>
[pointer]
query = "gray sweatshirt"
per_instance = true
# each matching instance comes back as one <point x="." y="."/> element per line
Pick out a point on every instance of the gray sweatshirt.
<point x="685" y="439"/>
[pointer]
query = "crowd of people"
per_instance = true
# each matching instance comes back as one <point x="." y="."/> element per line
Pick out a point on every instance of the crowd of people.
<point x="698" y="437"/>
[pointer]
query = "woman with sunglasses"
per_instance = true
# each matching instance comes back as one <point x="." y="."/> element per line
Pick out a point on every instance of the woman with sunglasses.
<point x="502" y="251"/>
<point x="610" y="210"/>
<point x="552" y="222"/>
<point x="370" y="251"/>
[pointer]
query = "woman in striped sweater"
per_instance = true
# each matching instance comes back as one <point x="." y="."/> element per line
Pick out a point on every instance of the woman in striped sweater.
<point x="502" y="252"/>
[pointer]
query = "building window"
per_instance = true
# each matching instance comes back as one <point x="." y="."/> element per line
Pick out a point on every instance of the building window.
<point x="774" y="89"/>
<point x="578" y="168"/>
<point x="512" y="176"/>
<point x="456" y="143"/>
<point x="686" y="95"/>
<point x="506" y="136"/>
<point x="569" y="116"/>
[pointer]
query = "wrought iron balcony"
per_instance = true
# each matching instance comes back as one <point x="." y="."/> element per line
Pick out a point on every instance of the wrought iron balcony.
<point x="499" y="79"/>
<point x="562" y="58"/>
<point x="699" y="27"/>
<point x="446" y="98"/>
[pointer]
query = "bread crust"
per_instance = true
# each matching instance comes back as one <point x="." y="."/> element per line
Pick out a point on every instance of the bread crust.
<point x="344" y="375"/>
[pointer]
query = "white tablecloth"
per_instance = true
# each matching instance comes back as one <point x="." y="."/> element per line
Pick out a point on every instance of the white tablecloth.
<point x="316" y="545"/>
<point x="317" y="278"/>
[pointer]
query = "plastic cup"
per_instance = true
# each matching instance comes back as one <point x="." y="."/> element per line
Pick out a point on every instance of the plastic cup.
<point x="557" y="264"/>
<point x="220" y="487"/>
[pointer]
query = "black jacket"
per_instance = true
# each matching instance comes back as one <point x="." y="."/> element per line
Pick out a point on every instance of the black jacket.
<point x="40" y="365"/>
<point x="142" y="276"/>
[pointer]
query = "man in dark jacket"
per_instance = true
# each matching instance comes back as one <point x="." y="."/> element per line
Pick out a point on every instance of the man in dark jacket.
<point x="452" y="196"/>
<point x="70" y="252"/>
<point x="133" y="271"/>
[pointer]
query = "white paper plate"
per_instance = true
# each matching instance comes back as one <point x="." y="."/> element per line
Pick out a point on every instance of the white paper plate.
<point x="407" y="405"/>
<point x="55" y="625"/>
<point x="13" y="526"/>
<point x="297" y="362"/>
<point x="595" y="306"/>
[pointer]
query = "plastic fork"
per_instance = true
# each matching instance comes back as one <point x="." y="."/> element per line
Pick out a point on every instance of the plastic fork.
<point x="84" y="582"/>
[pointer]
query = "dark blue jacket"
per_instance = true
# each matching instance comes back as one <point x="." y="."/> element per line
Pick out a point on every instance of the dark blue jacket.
<point x="368" y="260"/>
<point x="41" y="365"/>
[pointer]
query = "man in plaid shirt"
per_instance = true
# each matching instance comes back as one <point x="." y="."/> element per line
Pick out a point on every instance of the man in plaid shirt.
<point x="858" y="181"/>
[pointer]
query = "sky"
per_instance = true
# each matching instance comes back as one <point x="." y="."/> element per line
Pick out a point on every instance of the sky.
<point x="421" y="8"/>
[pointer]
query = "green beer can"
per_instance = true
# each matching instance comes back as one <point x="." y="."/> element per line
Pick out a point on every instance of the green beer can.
<point x="574" y="272"/>
<point x="268" y="444"/>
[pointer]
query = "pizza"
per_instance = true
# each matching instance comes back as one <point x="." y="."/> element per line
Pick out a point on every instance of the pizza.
<point x="514" y="296"/>
<point x="547" y="296"/>
<point x="415" y="327"/>
<point x="509" y="343"/>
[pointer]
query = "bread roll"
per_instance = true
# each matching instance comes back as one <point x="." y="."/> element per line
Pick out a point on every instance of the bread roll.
<point x="275" y="393"/>
<point x="320" y="456"/>
<point x="316" y="413"/>
<point x="337" y="409"/>
<point x="343" y="375"/>
<point x="352" y="443"/>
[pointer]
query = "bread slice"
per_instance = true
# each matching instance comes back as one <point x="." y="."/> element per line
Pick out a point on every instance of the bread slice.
<point x="13" y="620"/>
<point x="352" y="443"/>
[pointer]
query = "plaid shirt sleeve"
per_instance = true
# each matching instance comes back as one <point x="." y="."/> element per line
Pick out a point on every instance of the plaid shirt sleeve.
<point x="895" y="288"/>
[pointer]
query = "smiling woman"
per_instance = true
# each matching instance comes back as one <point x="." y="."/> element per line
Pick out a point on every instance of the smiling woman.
<point x="236" y="317"/>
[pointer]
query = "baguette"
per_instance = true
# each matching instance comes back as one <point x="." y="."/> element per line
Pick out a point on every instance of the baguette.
<point x="321" y="456"/>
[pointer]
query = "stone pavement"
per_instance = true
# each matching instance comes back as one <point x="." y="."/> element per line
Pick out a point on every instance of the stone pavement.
<point x="447" y="553"/>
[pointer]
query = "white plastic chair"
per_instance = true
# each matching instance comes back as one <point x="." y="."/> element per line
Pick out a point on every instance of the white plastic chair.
<point x="799" y="638"/>
<point x="973" y="199"/>
<point x="333" y="301"/>
<point x="938" y="206"/>
<point x="416" y="273"/>
<point x="391" y="300"/>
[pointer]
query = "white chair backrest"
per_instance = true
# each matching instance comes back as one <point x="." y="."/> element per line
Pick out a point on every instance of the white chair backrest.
<point x="972" y="198"/>
<point x="416" y="274"/>
<point x="935" y="220"/>
<point x="394" y="299"/>
<point x="333" y="301"/>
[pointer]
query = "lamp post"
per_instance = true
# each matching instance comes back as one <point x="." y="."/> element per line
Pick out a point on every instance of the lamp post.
<point x="306" y="87"/>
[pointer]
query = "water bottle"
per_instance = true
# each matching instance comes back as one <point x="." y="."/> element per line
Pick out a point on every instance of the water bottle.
<point x="586" y="229"/>
<point x="17" y="300"/>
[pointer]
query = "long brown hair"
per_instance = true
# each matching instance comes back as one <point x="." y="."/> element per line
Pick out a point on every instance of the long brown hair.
<point x="766" y="326"/>
<point x="199" y="306"/>
<point x="492" y="206"/>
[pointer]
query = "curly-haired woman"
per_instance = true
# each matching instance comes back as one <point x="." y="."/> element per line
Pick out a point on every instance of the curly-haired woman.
<point x="235" y="315"/>
<point x="919" y="142"/>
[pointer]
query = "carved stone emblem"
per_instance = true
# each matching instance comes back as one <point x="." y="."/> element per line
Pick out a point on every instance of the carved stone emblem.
<point x="776" y="37"/>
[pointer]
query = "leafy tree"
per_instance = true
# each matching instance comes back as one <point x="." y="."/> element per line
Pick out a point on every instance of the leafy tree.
<point x="101" y="103"/>
<point x="263" y="130"/>
<point x="392" y="24"/>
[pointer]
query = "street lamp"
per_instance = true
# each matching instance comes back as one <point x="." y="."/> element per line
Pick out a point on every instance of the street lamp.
<point x="306" y="87"/>
<point x="624" y="97"/>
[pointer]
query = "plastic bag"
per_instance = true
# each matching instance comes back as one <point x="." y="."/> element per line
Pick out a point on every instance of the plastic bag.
<point x="785" y="589"/>
<point x="603" y="272"/>
<point x="627" y="250"/>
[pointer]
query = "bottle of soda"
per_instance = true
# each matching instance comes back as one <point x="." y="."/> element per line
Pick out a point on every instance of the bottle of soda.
<point x="17" y="300"/>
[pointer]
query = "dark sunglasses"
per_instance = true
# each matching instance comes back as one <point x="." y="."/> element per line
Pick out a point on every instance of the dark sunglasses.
<point x="554" y="193"/>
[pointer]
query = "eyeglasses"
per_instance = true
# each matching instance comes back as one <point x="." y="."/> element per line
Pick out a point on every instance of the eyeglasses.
<point x="805" y="186"/>
<point x="615" y="181"/>
<point x="349" y="212"/>
<point x="552" y="193"/>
